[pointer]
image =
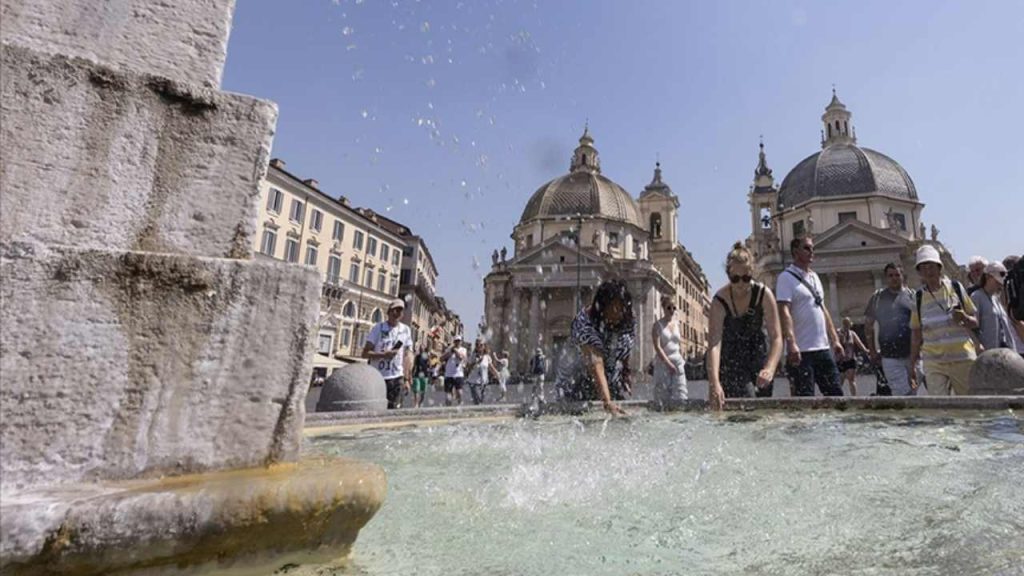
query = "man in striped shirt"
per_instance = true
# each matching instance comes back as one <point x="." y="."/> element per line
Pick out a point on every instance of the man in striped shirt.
<point x="941" y="324"/>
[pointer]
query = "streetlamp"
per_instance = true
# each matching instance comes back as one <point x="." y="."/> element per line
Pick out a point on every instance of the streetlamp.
<point x="575" y="235"/>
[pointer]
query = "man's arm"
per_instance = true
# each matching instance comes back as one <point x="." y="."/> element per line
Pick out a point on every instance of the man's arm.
<point x="869" y="331"/>
<point x="786" y="319"/>
<point x="833" y="336"/>
<point x="916" y="339"/>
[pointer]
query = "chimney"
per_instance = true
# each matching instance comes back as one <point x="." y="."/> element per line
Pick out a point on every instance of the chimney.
<point x="312" y="183"/>
<point x="277" y="163"/>
<point x="344" y="201"/>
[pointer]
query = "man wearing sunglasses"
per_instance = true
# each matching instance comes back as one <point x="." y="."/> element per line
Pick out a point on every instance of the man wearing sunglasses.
<point x="807" y="330"/>
<point x="385" y="349"/>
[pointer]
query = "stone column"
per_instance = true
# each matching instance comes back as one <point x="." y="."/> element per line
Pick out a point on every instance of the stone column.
<point x="512" y="330"/>
<point x="833" y="297"/>
<point x="877" y="276"/>
<point x="534" y="318"/>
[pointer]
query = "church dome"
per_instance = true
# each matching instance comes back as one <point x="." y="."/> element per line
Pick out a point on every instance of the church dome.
<point x="845" y="170"/>
<point x="583" y="191"/>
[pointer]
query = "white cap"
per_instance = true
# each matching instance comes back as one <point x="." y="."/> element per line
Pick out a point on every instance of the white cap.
<point x="927" y="253"/>
<point x="457" y="337"/>
<point x="396" y="303"/>
<point x="996" y="270"/>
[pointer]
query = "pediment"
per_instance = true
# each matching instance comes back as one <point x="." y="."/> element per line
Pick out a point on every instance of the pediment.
<point x="553" y="251"/>
<point x="856" y="235"/>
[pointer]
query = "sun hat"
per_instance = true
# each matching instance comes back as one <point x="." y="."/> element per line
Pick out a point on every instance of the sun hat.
<point x="997" y="271"/>
<point x="396" y="303"/>
<point x="927" y="253"/>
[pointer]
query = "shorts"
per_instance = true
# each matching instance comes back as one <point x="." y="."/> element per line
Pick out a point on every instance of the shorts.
<point x="844" y="365"/>
<point x="419" y="384"/>
<point x="394" y="392"/>
<point x="453" y="383"/>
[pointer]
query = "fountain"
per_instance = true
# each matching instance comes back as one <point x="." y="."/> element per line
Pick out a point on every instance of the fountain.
<point x="153" y="374"/>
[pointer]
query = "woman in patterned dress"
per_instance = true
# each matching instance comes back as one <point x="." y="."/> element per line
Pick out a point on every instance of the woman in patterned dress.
<point x="603" y="334"/>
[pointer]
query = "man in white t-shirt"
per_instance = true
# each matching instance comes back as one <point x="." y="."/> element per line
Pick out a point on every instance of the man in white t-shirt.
<point x="807" y="328"/>
<point x="454" y="371"/>
<point x="385" y="349"/>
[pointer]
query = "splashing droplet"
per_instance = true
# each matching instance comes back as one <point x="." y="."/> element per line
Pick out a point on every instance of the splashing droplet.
<point x="347" y="31"/>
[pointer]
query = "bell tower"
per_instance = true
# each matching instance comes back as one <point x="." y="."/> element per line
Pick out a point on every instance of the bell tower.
<point x="763" y="199"/>
<point x="585" y="157"/>
<point x="837" y="128"/>
<point x="659" y="208"/>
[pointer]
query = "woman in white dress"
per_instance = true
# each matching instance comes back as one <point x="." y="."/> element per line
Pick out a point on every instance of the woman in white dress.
<point x="669" y="376"/>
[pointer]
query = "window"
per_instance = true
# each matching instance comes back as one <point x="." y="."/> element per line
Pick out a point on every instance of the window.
<point x="901" y="220"/>
<point x="371" y="246"/>
<point x="407" y="251"/>
<point x="346" y="336"/>
<point x="394" y="287"/>
<point x="406" y="277"/>
<point x="798" y="229"/>
<point x="529" y="240"/>
<point x="395" y="258"/>
<point x="316" y="220"/>
<point x="298" y="211"/>
<point x="377" y="316"/>
<point x="291" y="250"/>
<point x="385" y="252"/>
<point x="311" y="253"/>
<point x="268" y="243"/>
<point x="357" y="240"/>
<point x="845" y="216"/>
<point x="368" y="281"/>
<point x="323" y="344"/>
<point x="349" y="311"/>
<point x="339" y="231"/>
<point x="353" y="273"/>
<point x="275" y="200"/>
<point x="382" y="281"/>
<point x="656" y="225"/>
<point x="613" y="239"/>
<point x="333" y="269"/>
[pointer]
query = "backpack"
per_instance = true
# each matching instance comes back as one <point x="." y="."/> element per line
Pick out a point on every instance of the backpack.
<point x="1014" y="287"/>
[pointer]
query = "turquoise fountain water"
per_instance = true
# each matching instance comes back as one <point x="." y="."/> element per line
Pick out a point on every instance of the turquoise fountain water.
<point x="768" y="493"/>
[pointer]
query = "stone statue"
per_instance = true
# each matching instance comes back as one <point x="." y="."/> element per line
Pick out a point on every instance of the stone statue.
<point x="890" y="219"/>
<point x="935" y="233"/>
<point x="494" y="258"/>
<point x="810" y="226"/>
<point x="920" y="230"/>
<point x="504" y="253"/>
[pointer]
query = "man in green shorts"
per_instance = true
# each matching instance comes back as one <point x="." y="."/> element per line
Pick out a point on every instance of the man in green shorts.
<point x="420" y="377"/>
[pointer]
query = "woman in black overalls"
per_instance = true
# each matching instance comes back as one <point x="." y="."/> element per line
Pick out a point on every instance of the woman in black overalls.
<point x="740" y="363"/>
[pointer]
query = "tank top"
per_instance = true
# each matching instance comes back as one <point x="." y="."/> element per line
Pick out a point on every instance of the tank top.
<point x="743" y="342"/>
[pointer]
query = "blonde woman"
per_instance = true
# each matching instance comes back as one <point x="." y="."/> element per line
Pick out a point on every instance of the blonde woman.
<point x="667" y="335"/>
<point x="740" y="362"/>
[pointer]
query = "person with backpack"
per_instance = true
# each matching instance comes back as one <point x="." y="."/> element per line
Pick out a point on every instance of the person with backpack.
<point x="942" y="325"/>
<point x="891" y="307"/>
<point x="740" y="363"/>
<point x="810" y="336"/>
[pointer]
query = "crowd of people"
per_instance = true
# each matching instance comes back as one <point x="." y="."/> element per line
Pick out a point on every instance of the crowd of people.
<point x="929" y="336"/>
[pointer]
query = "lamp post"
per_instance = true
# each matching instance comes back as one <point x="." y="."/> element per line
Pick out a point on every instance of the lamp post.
<point x="575" y="234"/>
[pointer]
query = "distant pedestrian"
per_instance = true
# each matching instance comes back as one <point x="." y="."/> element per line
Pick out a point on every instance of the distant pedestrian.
<point x="891" y="308"/>
<point x="995" y="329"/>
<point x="385" y="349"/>
<point x="538" y="371"/>
<point x="847" y="362"/>
<point x="669" y="364"/>
<point x="603" y="333"/>
<point x="740" y="363"/>
<point x="811" y="338"/>
<point x="503" y="375"/>
<point x="975" y="268"/>
<point x="481" y="371"/>
<point x="942" y="321"/>
<point x="420" y="377"/>
<point x="454" y="360"/>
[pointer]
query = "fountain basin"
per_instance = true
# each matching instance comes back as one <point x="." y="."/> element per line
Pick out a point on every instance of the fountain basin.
<point x="250" y="521"/>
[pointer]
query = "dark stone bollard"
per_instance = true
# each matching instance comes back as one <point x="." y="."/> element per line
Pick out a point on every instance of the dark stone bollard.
<point x="998" y="372"/>
<point x="355" y="387"/>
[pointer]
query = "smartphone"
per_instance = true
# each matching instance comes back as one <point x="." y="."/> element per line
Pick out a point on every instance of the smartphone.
<point x="397" y="345"/>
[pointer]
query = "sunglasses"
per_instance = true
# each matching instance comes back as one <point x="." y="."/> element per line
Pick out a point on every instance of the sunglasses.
<point x="736" y="278"/>
<point x="670" y="307"/>
<point x="808" y="247"/>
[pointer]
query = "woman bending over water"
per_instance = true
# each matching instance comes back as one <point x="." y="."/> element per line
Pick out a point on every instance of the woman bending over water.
<point x="740" y="363"/>
<point x="603" y="334"/>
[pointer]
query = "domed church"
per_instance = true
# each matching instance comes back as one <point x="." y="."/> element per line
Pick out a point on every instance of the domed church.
<point x="575" y="231"/>
<point x="860" y="206"/>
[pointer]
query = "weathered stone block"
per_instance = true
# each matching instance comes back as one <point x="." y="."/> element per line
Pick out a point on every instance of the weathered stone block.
<point x="184" y="40"/>
<point x="998" y="372"/>
<point x="120" y="365"/>
<point x="98" y="158"/>
<point x="355" y="387"/>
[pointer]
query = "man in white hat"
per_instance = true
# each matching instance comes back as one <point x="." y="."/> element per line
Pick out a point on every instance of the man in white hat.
<point x="389" y="349"/>
<point x="941" y="322"/>
<point x="454" y="371"/>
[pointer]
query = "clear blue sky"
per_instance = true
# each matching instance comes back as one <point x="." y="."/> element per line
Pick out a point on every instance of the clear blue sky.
<point x="448" y="115"/>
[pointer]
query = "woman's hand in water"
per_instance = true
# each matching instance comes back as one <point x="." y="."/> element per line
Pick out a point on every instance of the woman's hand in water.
<point x="765" y="378"/>
<point x="716" y="397"/>
<point x="613" y="408"/>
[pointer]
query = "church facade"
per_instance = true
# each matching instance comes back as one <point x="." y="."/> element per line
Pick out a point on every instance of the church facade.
<point x="860" y="206"/>
<point x="575" y="231"/>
